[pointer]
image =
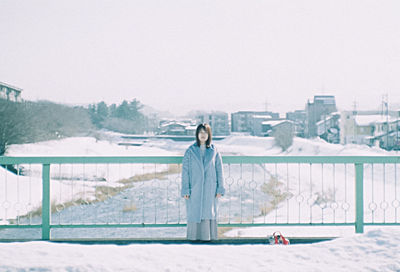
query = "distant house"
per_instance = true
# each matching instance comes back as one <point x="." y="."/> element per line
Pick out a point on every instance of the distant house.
<point x="191" y="130"/>
<point x="370" y="129"/>
<point x="386" y="133"/>
<point x="173" y="127"/>
<point x="356" y="130"/>
<point x="245" y="121"/>
<point x="329" y="128"/>
<point x="10" y="93"/>
<point x="389" y="141"/>
<point x="269" y="128"/>
<point x="299" y="121"/>
<point x="218" y="122"/>
<point x="316" y="110"/>
<point x="257" y="121"/>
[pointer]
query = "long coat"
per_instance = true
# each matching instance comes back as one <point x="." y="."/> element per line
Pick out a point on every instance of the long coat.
<point x="202" y="181"/>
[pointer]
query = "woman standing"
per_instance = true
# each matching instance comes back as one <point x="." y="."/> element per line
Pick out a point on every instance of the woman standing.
<point x="202" y="185"/>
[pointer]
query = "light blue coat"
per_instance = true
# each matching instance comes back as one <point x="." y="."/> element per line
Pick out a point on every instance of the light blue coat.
<point x="202" y="181"/>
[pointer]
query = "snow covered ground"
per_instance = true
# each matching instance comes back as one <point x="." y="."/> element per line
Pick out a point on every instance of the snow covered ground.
<point x="373" y="251"/>
<point x="22" y="194"/>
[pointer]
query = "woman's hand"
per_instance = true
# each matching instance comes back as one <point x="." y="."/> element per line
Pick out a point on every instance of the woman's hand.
<point x="218" y="195"/>
<point x="186" y="196"/>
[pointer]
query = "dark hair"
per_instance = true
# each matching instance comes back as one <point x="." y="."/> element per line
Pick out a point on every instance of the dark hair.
<point x="207" y="128"/>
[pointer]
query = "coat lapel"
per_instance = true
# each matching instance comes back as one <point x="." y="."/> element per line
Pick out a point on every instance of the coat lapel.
<point x="196" y="152"/>
<point x="208" y="155"/>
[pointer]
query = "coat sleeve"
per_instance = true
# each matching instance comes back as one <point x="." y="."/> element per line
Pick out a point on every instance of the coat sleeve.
<point x="220" y="174"/>
<point x="186" y="186"/>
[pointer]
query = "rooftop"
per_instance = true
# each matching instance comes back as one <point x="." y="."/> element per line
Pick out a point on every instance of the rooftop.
<point x="10" y="86"/>
<point x="325" y="99"/>
<point x="274" y="122"/>
<point x="262" y="116"/>
<point x="365" y="120"/>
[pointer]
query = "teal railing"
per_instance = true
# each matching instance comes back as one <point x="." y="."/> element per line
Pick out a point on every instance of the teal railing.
<point x="44" y="192"/>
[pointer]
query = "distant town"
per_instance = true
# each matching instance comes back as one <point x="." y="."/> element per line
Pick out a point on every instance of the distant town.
<point x="320" y="118"/>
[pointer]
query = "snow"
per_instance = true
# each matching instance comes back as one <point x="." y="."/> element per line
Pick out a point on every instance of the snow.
<point x="265" y="116"/>
<point x="274" y="122"/>
<point x="83" y="146"/>
<point x="373" y="251"/>
<point x="22" y="194"/>
<point x="365" y="120"/>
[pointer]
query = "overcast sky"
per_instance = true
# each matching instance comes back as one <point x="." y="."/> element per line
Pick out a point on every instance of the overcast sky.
<point x="212" y="55"/>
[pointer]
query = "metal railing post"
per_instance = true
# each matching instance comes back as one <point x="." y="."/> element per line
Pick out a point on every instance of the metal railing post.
<point x="46" y="210"/>
<point x="359" y="224"/>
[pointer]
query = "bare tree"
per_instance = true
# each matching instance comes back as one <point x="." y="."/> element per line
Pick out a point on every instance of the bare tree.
<point x="283" y="136"/>
<point x="13" y="124"/>
<point x="28" y="122"/>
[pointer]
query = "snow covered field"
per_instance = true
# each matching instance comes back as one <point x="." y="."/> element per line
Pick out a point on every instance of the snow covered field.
<point x="23" y="194"/>
<point x="373" y="251"/>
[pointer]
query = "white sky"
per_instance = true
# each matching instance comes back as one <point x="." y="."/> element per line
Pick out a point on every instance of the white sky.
<point x="213" y="55"/>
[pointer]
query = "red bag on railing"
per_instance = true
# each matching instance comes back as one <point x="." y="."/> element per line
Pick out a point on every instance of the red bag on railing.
<point x="278" y="239"/>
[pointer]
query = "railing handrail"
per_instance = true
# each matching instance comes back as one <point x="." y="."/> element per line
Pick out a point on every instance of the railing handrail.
<point x="178" y="159"/>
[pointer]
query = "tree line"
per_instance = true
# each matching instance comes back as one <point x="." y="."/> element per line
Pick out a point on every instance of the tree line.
<point x="28" y="121"/>
<point x="124" y="118"/>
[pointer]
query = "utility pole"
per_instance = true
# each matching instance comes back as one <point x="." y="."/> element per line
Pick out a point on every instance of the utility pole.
<point x="354" y="120"/>
<point x="326" y="132"/>
<point x="397" y="131"/>
<point x="266" y="104"/>
<point x="387" y="121"/>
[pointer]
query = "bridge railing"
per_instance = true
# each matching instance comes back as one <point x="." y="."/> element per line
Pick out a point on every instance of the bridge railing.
<point x="118" y="192"/>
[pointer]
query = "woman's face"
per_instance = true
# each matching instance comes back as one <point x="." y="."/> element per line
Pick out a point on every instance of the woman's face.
<point x="203" y="135"/>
